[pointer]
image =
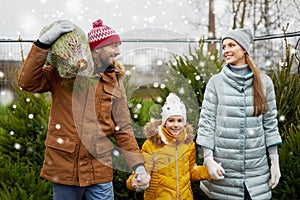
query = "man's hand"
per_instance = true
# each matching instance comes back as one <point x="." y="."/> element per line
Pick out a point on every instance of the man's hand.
<point x="56" y="31"/>
<point x="215" y="169"/>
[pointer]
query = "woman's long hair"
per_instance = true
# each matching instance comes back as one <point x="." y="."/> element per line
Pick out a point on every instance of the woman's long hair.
<point x="259" y="98"/>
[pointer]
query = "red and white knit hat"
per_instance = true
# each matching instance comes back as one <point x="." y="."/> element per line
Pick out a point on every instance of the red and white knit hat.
<point x="102" y="35"/>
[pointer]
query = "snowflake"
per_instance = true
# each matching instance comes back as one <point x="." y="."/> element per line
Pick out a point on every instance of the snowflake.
<point x="139" y="106"/>
<point x="116" y="153"/>
<point x="30" y="116"/>
<point x="60" y="140"/>
<point x="281" y="118"/>
<point x="17" y="146"/>
<point x="57" y="126"/>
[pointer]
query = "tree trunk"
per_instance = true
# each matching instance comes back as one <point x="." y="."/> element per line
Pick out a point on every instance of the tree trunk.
<point x="211" y="26"/>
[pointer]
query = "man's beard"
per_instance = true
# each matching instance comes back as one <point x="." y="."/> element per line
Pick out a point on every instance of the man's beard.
<point x="105" y="68"/>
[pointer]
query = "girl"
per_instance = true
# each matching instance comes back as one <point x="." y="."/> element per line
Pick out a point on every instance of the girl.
<point x="170" y="155"/>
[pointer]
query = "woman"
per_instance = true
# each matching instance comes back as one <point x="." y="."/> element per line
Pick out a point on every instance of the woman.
<point x="238" y="125"/>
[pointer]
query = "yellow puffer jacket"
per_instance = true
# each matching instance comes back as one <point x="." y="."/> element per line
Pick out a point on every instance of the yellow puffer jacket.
<point x="171" y="166"/>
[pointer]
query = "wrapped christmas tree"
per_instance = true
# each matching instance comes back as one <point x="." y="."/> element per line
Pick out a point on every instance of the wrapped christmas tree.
<point x="70" y="53"/>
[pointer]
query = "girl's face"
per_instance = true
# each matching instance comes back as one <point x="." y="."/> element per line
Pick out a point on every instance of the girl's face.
<point x="175" y="124"/>
<point x="233" y="53"/>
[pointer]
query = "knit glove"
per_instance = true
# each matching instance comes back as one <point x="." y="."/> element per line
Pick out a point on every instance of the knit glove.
<point x="55" y="32"/>
<point x="275" y="171"/>
<point x="141" y="179"/>
<point x="215" y="170"/>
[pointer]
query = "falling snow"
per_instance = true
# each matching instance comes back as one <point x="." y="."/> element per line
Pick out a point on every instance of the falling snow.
<point x="139" y="106"/>
<point x="117" y="128"/>
<point x="6" y="97"/>
<point x="159" y="99"/>
<point x="17" y="146"/>
<point x="251" y="132"/>
<point x="57" y="126"/>
<point x="29" y="18"/>
<point x="60" y="140"/>
<point x="125" y="16"/>
<point x="281" y="118"/>
<point x="116" y="153"/>
<point x="30" y="149"/>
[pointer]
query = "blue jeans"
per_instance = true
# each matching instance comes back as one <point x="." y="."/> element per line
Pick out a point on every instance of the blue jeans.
<point x="102" y="191"/>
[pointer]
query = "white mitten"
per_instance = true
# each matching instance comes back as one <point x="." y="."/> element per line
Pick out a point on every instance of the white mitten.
<point x="215" y="169"/>
<point x="141" y="179"/>
<point x="275" y="171"/>
<point x="55" y="32"/>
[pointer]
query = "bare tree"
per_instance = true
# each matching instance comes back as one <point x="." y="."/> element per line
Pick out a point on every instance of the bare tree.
<point x="211" y="26"/>
<point x="263" y="16"/>
<point x="239" y="13"/>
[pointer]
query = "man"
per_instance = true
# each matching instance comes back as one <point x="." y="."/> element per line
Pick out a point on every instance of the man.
<point x="78" y="148"/>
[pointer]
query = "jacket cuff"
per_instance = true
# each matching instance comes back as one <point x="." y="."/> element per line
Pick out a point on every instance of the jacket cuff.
<point x="137" y="165"/>
<point x="42" y="45"/>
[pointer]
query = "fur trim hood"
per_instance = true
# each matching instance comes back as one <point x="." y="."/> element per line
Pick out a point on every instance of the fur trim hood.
<point x="151" y="132"/>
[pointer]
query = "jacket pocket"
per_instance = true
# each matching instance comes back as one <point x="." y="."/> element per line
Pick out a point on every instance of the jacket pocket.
<point x="60" y="144"/>
<point x="60" y="159"/>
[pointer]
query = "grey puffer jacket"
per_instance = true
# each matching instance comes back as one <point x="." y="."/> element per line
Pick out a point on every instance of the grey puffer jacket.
<point x="238" y="139"/>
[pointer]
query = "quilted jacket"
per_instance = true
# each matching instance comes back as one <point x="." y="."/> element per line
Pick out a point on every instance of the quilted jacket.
<point x="238" y="139"/>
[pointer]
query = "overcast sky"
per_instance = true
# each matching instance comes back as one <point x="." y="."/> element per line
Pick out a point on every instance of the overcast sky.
<point x="26" y="18"/>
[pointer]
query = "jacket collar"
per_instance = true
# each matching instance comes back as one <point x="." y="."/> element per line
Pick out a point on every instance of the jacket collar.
<point x="117" y="67"/>
<point x="237" y="81"/>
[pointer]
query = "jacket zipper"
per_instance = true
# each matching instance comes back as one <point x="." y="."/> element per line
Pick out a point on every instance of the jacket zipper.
<point x="177" y="184"/>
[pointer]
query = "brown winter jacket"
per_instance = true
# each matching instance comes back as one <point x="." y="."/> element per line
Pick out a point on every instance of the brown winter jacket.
<point x="171" y="166"/>
<point x="78" y="146"/>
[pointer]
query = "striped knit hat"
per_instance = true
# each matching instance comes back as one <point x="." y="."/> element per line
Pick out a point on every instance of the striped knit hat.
<point x="102" y="35"/>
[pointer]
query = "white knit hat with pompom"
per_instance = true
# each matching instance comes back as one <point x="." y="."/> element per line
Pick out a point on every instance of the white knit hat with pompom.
<point x="173" y="106"/>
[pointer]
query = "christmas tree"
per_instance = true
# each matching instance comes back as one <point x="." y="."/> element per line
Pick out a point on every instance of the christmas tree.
<point x="23" y="126"/>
